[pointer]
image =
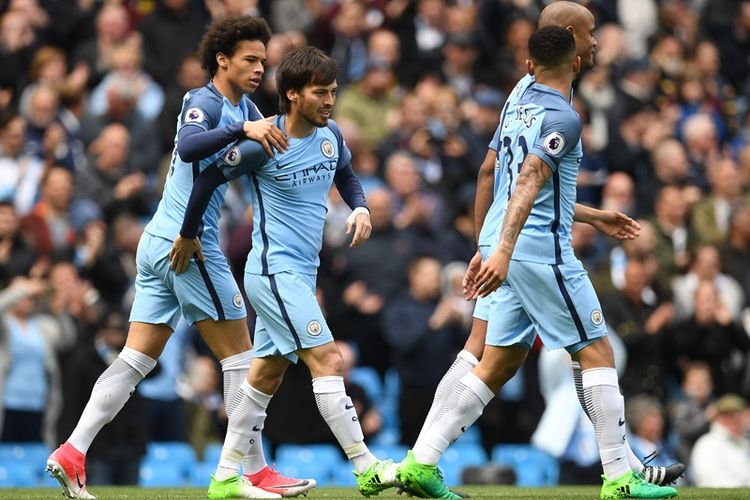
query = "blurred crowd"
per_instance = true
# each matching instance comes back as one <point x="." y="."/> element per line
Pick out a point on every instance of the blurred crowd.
<point x="90" y="91"/>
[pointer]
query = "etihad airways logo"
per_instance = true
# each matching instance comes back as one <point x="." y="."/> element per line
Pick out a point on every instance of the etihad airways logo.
<point x="320" y="172"/>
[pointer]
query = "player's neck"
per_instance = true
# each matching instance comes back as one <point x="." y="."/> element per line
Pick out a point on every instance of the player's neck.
<point x="560" y="83"/>
<point x="297" y="126"/>
<point x="225" y="88"/>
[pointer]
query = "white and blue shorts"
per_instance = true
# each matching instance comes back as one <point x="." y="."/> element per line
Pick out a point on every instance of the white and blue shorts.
<point x="556" y="301"/>
<point x="289" y="316"/>
<point x="205" y="290"/>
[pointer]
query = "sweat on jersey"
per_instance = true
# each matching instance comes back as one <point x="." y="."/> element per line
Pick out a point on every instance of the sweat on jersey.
<point x="539" y="120"/>
<point x="203" y="110"/>
<point x="290" y="199"/>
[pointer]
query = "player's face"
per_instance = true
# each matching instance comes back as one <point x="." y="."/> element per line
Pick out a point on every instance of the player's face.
<point x="245" y="68"/>
<point x="315" y="103"/>
<point x="586" y="44"/>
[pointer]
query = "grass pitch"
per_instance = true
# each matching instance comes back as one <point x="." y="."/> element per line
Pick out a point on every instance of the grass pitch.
<point x="582" y="492"/>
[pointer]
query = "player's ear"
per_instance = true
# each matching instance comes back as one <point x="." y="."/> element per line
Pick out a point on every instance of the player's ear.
<point x="291" y="95"/>
<point x="577" y="64"/>
<point x="222" y="60"/>
<point x="530" y="66"/>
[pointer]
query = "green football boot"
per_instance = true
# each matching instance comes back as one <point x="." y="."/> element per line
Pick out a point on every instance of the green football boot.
<point x="236" y="487"/>
<point x="633" y="485"/>
<point x="424" y="481"/>
<point x="379" y="476"/>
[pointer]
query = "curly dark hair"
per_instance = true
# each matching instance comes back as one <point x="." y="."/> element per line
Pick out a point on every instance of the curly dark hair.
<point x="303" y="66"/>
<point x="551" y="46"/>
<point x="224" y="35"/>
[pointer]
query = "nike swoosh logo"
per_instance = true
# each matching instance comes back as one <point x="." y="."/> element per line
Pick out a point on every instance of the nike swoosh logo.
<point x="279" y="167"/>
<point x="256" y="428"/>
<point x="463" y="429"/>
<point x="78" y="479"/>
<point x="348" y="407"/>
<point x="621" y="422"/>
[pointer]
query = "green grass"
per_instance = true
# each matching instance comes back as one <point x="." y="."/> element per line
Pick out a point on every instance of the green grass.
<point x="583" y="492"/>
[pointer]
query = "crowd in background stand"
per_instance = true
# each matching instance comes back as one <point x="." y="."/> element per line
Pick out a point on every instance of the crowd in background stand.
<point x="89" y="96"/>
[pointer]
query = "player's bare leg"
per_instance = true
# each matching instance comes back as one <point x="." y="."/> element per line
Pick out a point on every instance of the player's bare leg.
<point x="112" y="390"/>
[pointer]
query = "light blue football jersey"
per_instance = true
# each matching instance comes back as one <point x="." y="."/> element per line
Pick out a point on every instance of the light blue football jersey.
<point x="492" y="222"/>
<point x="290" y="199"/>
<point x="208" y="109"/>
<point x="541" y="122"/>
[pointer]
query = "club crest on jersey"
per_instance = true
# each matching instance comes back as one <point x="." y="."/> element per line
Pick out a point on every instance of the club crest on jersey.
<point x="233" y="157"/>
<point x="326" y="147"/>
<point x="554" y="143"/>
<point x="314" y="328"/>
<point x="194" y="115"/>
<point x="237" y="301"/>
<point x="597" y="317"/>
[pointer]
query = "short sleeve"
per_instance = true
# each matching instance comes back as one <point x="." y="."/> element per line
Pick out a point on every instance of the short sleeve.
<point x="345" y="154"/>
<point x="202" y="110"/>
<point x="558" y="135"/>
<point x="241" y="158"/>
<point x="495" y="142"/>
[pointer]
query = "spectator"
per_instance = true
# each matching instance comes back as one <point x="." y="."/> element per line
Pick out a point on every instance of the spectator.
<point x="16" y="257"/>
<point x="370" y="101"/>
<point x="711" y="336"/>
<point x="48" y="227"/>
<point x="22" y="170"/>
<point x="709" y="219"/>
<point x="721" y="458"/>
<point x="170" y="32"/>
<point x="645" y="417"/>
<point x="370" y="281"/>
<point x="109" y="181"/>
<point x="706" y="266"/>
<point x="416" y="208"/>
<point x="702" y="145"/>
<point x="688" y="416"/>
<point x="126" y="64"/>
<point x="424" y="330"/>
<point x="640" y="319"/>
<point x="205" y="415"/>
<point x="29" y="345"/>
<point x="735" y="252"/>
<point x="113" y="30"/>
<point x="17" y="44"/>
<point x="674" y="238"/>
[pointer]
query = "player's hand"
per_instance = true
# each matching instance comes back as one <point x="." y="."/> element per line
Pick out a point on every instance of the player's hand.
<point x="492" y="274"/>
<point x="360" y="221"/>
<point x="182" y="251"/>
<point x="470" y="278"/>
<point x="616" y="224"/>
<point x="267" y="134"/>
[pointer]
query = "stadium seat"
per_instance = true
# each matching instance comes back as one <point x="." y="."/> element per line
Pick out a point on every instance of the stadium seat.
<point x="212" y="453"/>
<point x="34" y="454"/>
<point x="395" y="452"/>
<point x="200" y="474"/>
<point x="178" y="455"/>
<point x="161" y="474"/>
<point x="533" y="466"/>
<point x="18" y="475"/>
<point x="317" y="461"/>
<point x="370" y="381"/>
<point x="472" y="436"/>
<point x="343" y="476"/>
<point x="459" y="456"/>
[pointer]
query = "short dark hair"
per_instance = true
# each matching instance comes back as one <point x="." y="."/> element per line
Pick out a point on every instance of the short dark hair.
<point x="224" y="36"/>
<point x="303" y="66"/>
<point x="551" y="46"/>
